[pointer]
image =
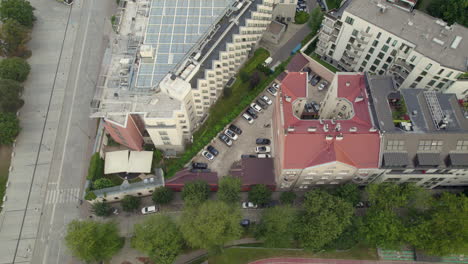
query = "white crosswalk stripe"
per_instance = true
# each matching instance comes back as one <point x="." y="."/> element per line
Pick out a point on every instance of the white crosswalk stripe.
<point x="62" y="196"/>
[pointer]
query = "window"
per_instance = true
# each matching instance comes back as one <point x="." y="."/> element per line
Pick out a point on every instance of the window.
<point x="394" y="43"/>
<point x="441" y="71"/>
<point x="385" y="66"/>
<point x="418" y="79"/>
<point x="449" y="74"/>
<point x="354" y="33"/>
<point x="381" y="55"/>
<point x="396" y="145"/>
<point x="367" y="57"/>
<point x="349" y="20"/>
<point x="375" y="43"/>
<point x="431" y="82"/>
<point x="364" y="63"/>
<point x="162" y="133"/>
<point x="423" y="73"/>
<point x="385" y="48"/>
<point x="388" y="40"/>
<point x="428" y="66"/>
<point x="413" y="58"/>
<point x="377" y="62"/>
<point x="440" y="85"/>
<point x="389" y="59"/>
<point x="371" y="50"/>
<point x="379" y="34"/>
<point x="462" y="145"/>
<point x="430" y="145"/>
<point x="372" y="69"/>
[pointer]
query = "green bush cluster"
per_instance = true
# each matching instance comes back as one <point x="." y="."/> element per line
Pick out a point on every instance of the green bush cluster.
<point x="96" y="167"/>
<point x="301" y="17"/>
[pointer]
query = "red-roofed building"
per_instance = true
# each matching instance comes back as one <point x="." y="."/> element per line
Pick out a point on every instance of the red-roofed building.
<point x="342" y="145"/>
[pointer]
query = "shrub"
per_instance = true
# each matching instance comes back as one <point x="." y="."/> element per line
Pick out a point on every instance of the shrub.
<point x="130" y="203"/>
<point x="102" y="183"/>
<point x="101" y="209"/>
<point x="162" y="195"/>
<point x="229" y="189"/>
<point x="9" y="128"/>
<point x="196" y="192"/>
<point x="287" y="197"/>
<point x="301" y="17"/>
<point x="244" y="76"/>
<point x="96" y="167"/>
<point x="19" y="10"/>
<point x="90" y="195"/>
<point x="14" y="69"/>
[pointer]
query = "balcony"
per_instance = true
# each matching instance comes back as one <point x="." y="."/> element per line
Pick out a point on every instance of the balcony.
<point x="322" y="44"/>
<point x="364" y="34"/>
<point x="324" y="37"/>
<point x="399" y="71"/>
<point x="404" y="65"/>
<point x="335" y="32"/>
<point x="362" y="41"/>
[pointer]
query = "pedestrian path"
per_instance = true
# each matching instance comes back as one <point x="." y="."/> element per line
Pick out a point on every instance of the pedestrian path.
<point x="62" y="196"/>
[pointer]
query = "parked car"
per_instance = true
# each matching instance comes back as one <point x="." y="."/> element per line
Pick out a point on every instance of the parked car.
<point x="246" y="156"/>
<point x="266" y="99"/>
<point x="236" y="129"/>
<point x="230" y="134"/>
<point x="225" y="139"/>
<point x="245" y="222"/>
<point x="263" y="156"/>
<point x="272" y="91"/>
<point x="315" y="80"/>
<point x="262" y="149"/>
<point x="199" y="166"/>
<point x="272" y="203"/>
<point x="249" y="205"/>
<point x="207" y="155"/>
<point x="256" y="107"/>
<point x="149" y="209"/>
<point x="261" y="103"/>
<point x="262" y="141"/>
<point x="323" y="85"/>
<point x="276" y="86"/>
<point x="212" y="150"/>
<point x="252" y="112"/>
<point x="247" y="117"/>
<point x="114" y="211"/>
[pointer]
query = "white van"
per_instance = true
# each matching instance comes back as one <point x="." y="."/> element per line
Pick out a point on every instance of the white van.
<point x="267" y="61"/>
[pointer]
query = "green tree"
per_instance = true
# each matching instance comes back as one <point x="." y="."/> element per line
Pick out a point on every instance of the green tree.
<point x="9" y="128"/>
<point x="10" y="91"/>
<point x="301" y="17"/>
<point x="229" y="189"/>
<point x="130" y="203"/>
<point x="254" y="80"/>
<point x="349" y="192"/>
<point x="163" y="195"/>
<point x="244" y="76"/>
<point x="14" y="69"/>
<point x="323" y="219"/>
<point x="260" y="194"/>
<point x="349" y="238"/>
<point x="159" y="238"/>
<point x="451" y="11"/>
<point x="288" y="197"/>
<point x="276" y="228"/>
<point x="315" y="21"/>
<point x="101" y="209"/>
<point x="102" y="183"/>
<point x="443" y="230"/>
<point x="13" y="38"/>
<point x="382" y="228"/>
<point x="19" y="10"/>
<point x="211" y="225"/>
<point x="93" y="241"/>
<point x="389" y="195"/>
<point x="196" y="192"/>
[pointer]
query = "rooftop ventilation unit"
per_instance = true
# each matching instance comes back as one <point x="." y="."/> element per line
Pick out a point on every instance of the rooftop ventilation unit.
<point x="438" y="41"/>
<point x="353" y="129"/>
<point x="288" y="98"/>
<point x="338" y="127"/>
<point x="311" y="129"/>
<point x="339" y="137"/>
<point x="441" y="23"/>
<point x="348" y="84"/>
<point x="329" y="137"/>
<point x="456" y="42"/>
<point x="325" y="128"/>
<point x="382" y="8"/>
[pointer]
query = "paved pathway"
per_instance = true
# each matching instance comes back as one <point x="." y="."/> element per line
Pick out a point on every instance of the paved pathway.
<point x="329" y="261"/>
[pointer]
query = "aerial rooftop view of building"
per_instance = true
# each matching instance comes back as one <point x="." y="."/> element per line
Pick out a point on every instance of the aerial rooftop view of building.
<point x="420" y="51"/>
<point x="327" y="150"/>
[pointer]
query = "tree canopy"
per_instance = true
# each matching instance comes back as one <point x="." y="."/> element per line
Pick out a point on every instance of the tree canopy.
<point x="260" y="194"/>
<point x="229" y="189"/>
<point x="19" y="10"/>
<point x="14" y="69"/>
<point x="101" y="209"/>
<point x="130" y="203"/>
<point x="288" y="197"/>
<point x="450" y="11"/>
<point x="163" y="195"/>
<point x="349" y="192"/>
<point x="9" y="128"/>
<point x="211" y="225"/>
<point x="13" y="38"/>
<point x="159" y="238"/>
<point x="195" y="192"/>
<point x="276" y="228"/>
<point x="382" y="228"/>
<point x="93" y="241"/>
<point x="315" y="21"/>
<point x="322" y="219"/>
<point x="10" y="100"/>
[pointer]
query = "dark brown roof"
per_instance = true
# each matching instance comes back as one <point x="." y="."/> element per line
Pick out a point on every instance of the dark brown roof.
<point x="281" y="76"/>
<point x="275" y="27"/>
<point x="184" y="176"/>
<point x="253" y="171"/>
<point x="297" y="63"/>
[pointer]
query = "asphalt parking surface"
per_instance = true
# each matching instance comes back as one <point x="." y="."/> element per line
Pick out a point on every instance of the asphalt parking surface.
<point x="245" y="144"/>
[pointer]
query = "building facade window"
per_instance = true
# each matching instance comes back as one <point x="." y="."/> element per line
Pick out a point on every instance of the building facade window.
<point x="462" y="145"/>
<point x="430" y="145"/>
<point x="349" y="20"/>
<point x="396" y="145"/>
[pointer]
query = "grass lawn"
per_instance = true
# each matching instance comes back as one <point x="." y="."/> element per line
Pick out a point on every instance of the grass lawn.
<point x="246" y="255"/>
<point x="259" y="57"/>
<point x="324" y="63"/>
<point x="5" y="158"/>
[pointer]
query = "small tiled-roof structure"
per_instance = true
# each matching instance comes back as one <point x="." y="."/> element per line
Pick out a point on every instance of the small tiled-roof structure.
<point x="297" y="63"/>
<point x="275" y="27"/>
<point x="253" y="171"/>
<point x="184" y="176"/>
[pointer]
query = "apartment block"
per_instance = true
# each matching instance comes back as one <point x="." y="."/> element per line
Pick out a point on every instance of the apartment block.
<point x="172" y="60"/>
<point x="424" y="135"/>
<point x="342" y="145"/>
<point x="418" y="50"/>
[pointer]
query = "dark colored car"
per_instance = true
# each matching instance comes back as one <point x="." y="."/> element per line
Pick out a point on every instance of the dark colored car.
<point x="235" y="129"/>
<point x="199" y="165"/>
<point x="252" y="112"/>
<point x="225" y="139"/>
<point x="261" y="103"/>
<point x="262" y="141"/>
<point x="245" y="223"/>
<point x="246" y="156"/>
<point x="272" y="203"/>
<point x="315" y="80"/>
<point x="212" y="150"/>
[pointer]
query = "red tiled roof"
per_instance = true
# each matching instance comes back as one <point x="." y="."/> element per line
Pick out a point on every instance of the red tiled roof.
<point x="305" y="149"/>
<point x="297" y="63"/>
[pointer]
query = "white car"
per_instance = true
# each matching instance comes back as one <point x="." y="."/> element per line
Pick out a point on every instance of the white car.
<point x="207" y="155"/>
<point x="263" y="156"/>
<point x="228" y="132"/>
<point x="262" y="149"/>
<point x="256" y="107"/>
<point x="267" y="99"/>
<point x="248" y="118"/>
<point x="322" y="86"/>
<point x="149" y="209"/>
<point x="249" y="205"/>
<point x="276" y="86"/>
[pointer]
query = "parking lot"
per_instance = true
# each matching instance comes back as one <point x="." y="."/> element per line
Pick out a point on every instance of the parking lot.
<point x="245" y="144"/>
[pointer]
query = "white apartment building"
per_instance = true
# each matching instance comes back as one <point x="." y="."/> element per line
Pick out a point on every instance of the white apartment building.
<point x="173" y="64"/>
<point x="417" y="49"/>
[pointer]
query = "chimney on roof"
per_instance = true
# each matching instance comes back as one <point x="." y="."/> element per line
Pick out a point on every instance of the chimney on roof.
<point x="338" y="127"/>
<point x="333" y="121"/>
<point x="329" y="137"/>
<point x="325" y="128"/>
<point x="339" y="137"/>
<point x="348" y="84"/>
<point x="288" y="98"/>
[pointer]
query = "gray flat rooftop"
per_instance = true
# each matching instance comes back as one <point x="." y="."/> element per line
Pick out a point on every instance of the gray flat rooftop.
<point x="421" y="32"/>
<point x="173" y="29"/>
